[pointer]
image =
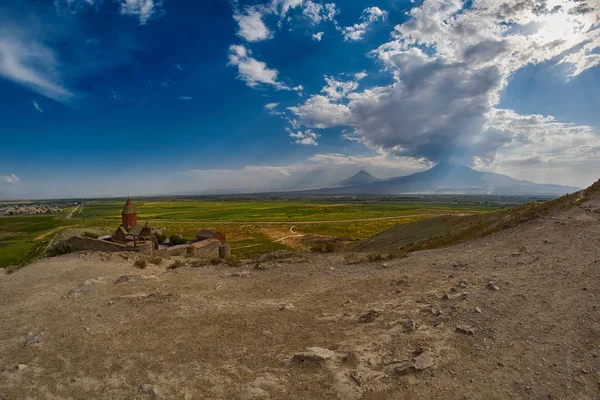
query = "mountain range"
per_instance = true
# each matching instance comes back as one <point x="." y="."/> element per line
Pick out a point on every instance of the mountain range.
<point x="444" y="178"/>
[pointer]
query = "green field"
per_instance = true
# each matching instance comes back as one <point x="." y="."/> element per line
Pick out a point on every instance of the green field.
<point x="251" y="225"/>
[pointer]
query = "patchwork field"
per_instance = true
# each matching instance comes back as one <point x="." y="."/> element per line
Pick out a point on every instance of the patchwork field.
<point x="252" y="226"/>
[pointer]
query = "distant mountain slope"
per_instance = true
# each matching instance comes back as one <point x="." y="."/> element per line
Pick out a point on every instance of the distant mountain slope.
<point x="447" y="178"/>
<point x="359" y="178"/>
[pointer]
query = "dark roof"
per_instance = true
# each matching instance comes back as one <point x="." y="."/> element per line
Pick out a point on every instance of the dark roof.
<point x="128" y="209"/>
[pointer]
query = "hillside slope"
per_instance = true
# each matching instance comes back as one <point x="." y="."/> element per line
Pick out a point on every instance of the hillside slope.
<point x="308" y="326"/>
<point x="447" y="230"/>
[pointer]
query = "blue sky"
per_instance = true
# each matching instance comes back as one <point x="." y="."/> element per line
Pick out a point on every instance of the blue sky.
<point x="116" y="97"/>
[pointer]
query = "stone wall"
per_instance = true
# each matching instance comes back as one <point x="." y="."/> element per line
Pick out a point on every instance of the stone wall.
<point x="204" y="249"/>
<point x="79" y="243"/>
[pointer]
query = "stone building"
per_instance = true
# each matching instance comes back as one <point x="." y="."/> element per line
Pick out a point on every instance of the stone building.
<point x="129" y="231"/>
<point x="206" y="234"/>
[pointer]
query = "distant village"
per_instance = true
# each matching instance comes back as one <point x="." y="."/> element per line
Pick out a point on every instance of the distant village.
<point x="32" y="209"/>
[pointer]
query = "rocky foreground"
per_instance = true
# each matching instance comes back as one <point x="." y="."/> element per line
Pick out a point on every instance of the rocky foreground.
<point x="514" y="315"/>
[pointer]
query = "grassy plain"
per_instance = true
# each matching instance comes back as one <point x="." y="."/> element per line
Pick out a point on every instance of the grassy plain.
<point x="252" y="225"/>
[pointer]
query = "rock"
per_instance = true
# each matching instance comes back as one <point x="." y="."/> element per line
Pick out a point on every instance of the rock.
<point x="465" y="330"/>
<point x="33" y="339"/>
<point x="369" y="316"/>
<point x="422" y="361"/>
<point x="455" y="296"/>
<point x="409" y="325"/>
<point x="546" y="241"/>
<point x="463" y="283"/>
<point x="18" y="368"/>
<point x="418" y="363"/>
<point x="286" y="307"/>
<point x="242" y="274"/>
<point x="312" y="355"/>
<point x="133" y="278"/>
<point x="492" y="286"/>
<point x="152" y="390"/>
<point x="478" y="310"/>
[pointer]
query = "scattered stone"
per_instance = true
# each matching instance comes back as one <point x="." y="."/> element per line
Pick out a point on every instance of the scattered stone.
<point x="455" y="296"/>
<point x="33" y="339"/>
<point x="355" y="376"/>
<point x="18" y="368"/>
<point x="369" y="316"/>
<point x="384" y="266"/>
<point x="492" y="286"/>
<point x="152" y="390"/>
<point x="418" y="363"/>
<point x="312" y="356"/>
<point x="242" y="274"/>
<point x="546" y="241"/>
<point x="466" y="330"/>
<point x="286" y="307"/>
<point x="409" y="325"/>
<point x="463" y="283"/>
<point x="126" y="278"/>
<point x="478" y="310"/>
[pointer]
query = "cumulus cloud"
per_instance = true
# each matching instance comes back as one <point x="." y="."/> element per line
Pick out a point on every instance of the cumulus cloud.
<point x="185" y="98"/>
<point x="369" y="16"/>
<point x="271" y="106"/>
<point x="143" y="9"/>
<point x="308" y="137"/>
<point x="12" y="178"/>
<point x="449" y="66"/>
<point x="318" y="36"/>
<point x="251" y="26"/>
<point x="252" y="71"/>
<point x="37" y="106"/>
<point x="317" y="12"/>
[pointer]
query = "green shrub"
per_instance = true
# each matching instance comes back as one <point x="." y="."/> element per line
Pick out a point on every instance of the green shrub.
<point x="156" y="260"/>
<point x="375" y="257"/>
<point x="351" y="258"/>
<point x="323" y="248"/>
<point x="89" y="234"/>
<point x="233" y="261"/>
<point x="141" y="263"/>
<point x="216" y="260"/>
<point x="176" y="264"/>
<point x="160" y="237"/>
<point x="198" y="263"/>
<point x="177" y="239"/>
<point x="58" y="249"/>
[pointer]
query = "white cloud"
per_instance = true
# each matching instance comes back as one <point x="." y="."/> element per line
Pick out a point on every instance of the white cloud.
<point x="318" y="36"/>
<point x="252" y="71"/>
<point x="271" y="106"/>
<point x="179" y="67"/>
<point x="317" y="12"/>
<point x="251" y="26"/>
<point x="307" y="138"/>
<point x="337" y="90"/>
<point x="369" y="16"/>
<point x="12" y="178"/>
<point x="185" y="98"/>
<point x="143" y="9"/>
<point x="31" y="64"/>
<point x="37" y="106"/>
<point x="449" y="66"/>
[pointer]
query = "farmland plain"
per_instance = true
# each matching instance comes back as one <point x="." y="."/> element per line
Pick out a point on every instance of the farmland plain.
<point x="252" y="225"/>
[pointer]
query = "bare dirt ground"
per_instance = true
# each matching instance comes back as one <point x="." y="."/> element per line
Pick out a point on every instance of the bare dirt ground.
<point x="429" y="326"/>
